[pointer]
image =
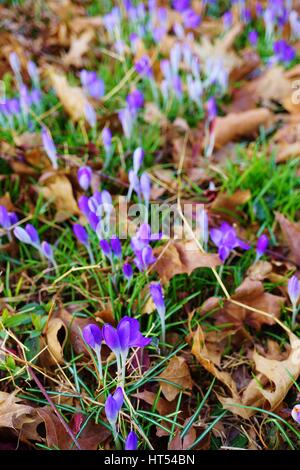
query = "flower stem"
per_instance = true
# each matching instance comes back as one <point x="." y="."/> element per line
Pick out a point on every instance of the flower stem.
<point x="294" y="316"/>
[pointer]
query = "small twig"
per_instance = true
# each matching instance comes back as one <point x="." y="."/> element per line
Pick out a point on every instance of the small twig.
<point x="45" y="394"/>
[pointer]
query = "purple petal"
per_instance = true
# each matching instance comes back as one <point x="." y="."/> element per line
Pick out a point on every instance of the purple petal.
<point x="111" y="338"/>
<point x="81" y="234"/>
<point x="131" y="441"/>
<point x="92" y="335"/>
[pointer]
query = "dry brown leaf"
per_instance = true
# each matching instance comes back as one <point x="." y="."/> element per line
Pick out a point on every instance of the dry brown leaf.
<point x="55" y="336"/>
<point x="14" y="414"/>
<point x="72" y="98"/>
<point x="259" y="270"/>
<point x="178" y="373"/>
<point x="79" y="46"/>
<point x="250" y="293"/>
<point x="276" y="378"/>
<point x="164" y="407"/>
<point x="234" y="126"/>
<point x="228" y="202"/>
<point x="182" y="257"/>
<point x="58" y="189"/>
<point x="291" y="234"/>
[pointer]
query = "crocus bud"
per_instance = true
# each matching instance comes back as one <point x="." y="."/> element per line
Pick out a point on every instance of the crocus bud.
<point x="49" y="147"/>
<point x="138" y="157"/>
<point x="158" y="299"/>
<point x="84" y="176"/>
<point x="33" y="72"/>
<point x="296" y="413"/>
<point x="106" y="138"/>
<point x="83" y="204"/>
<point x="262" y="245"/>
<point x="92" y="335"/>
<point x="47" y="250"/>
<point x="294" y="290"/>
<point x="4" y="217"/>
<point x="127" y="270"/>
<point x="131" y="441"/>
<point x="135" y="100"/>
<point x="22" y="235"/>
<point x="211" y="108"/>
<point x="35" y="240"/>
<point x="90" y="115"/>
<point x="113" y="405"/>
<point x="116" y="246"/>
<point x="105" y="247"/>
<point x="145" y="187"/>
<point x="127" y="121"/>
<point x="15" y="64"/>
<point x="81" y="234"/>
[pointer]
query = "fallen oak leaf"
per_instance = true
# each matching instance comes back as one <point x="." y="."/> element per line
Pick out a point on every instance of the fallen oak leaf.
<point x="177" y="372"/>
<point x="182" y="257"/>
<point x="54" y="337"/>
<point x="275" y="379"/>
<point x="14" y="414"/>
<point x="234" y="126"/>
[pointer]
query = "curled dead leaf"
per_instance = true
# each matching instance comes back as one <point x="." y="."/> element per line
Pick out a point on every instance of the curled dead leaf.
<point x="291" y="235"/>
<point x="178" y="373"/>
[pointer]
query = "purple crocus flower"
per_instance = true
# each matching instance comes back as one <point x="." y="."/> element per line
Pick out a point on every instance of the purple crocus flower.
<point x="158" y="299"/>
<point x="116" y="246"/>
<point x="47" y="251"/>
<point x="294" y="294"/>
<point x="106" y="138"/>
<point x="90" y="114"/>
<point x="262" y="245"/>
<point x="135" y="100"/>
<point x="294" y="289"/>
<point x="296" y="413"/>
<point x="33" y="73"/>
<point x="92" y="335"/>
<point x="181" y="5"/>
<point x="127" y="270"/>
<point x="143" y="66"/>
<point x="138" y="156"/>
<point x="191" y="19"/>
<point x="131" y="441"/>
<point x="92" y="84"/>
<point x="49" y="147"/>
<point x="145" y="188"/>
<point x="113" y="405"/>
<point x="211" y="107"/>
<point x="83" y="204"/>
<point x="127" y="121"/>
<point x="84" y="176"/>
<point x="283" y="51"/>
<point x="127" y="335"/>
<point x="5" y="220"/>
<point x="134" y="184"/>
<point x="144" y="258"/>
<point x="105" y="247"/>
<point x="15" y="65"/>
<point x="227" y="19"/>
<point x="81" y="234"/>
<point x="28" y="235"/>
<point x="226" y="240"/>
<point x="253" y="38"/>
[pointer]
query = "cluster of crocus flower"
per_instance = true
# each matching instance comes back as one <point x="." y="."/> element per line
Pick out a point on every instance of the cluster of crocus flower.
<point x="15" y="111"/>
<point x="119" y="340"/>
<point x="30" y="236"/>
